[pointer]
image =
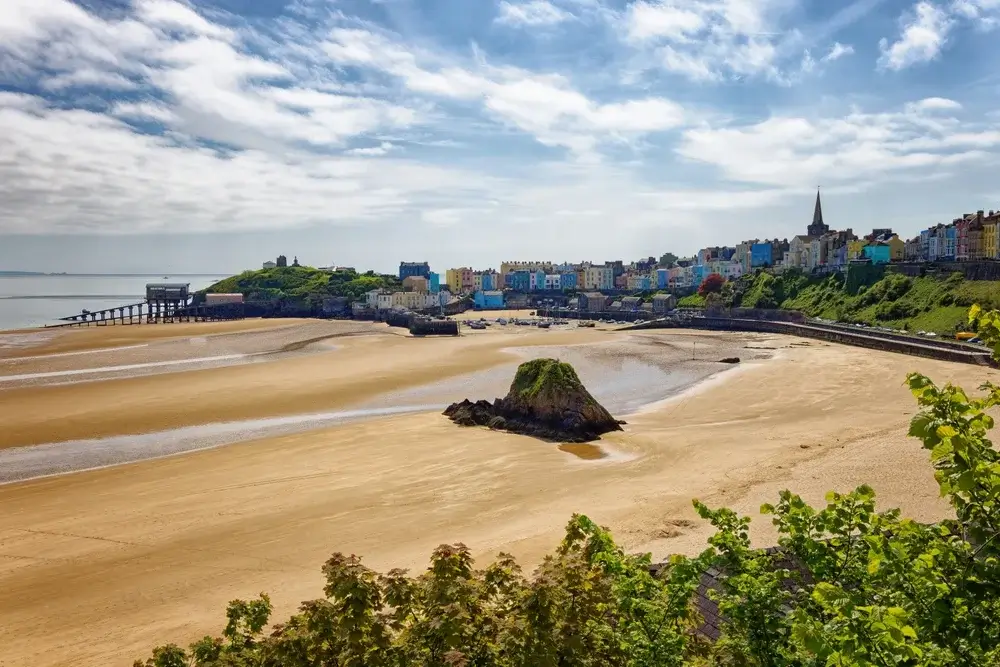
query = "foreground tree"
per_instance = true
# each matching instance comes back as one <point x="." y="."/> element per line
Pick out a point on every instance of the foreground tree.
<point x="712" y="284"/>
<point x="849" y="586"/>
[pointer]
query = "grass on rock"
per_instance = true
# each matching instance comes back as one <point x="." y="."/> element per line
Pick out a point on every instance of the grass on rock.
<point x="544" y="375"/>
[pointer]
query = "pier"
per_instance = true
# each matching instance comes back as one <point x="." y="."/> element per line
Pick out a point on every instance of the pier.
<point x="165" y="302"/>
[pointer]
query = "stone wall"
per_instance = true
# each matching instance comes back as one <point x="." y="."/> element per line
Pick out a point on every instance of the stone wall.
<point x="756" y="314"/>
<point x="868" y="339"/>
<point x="982" y="270"/>
<point x="421" y="327"/>
<point x="397" y="319"/>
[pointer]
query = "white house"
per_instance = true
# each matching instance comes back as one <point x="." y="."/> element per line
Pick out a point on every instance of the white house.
<point x="269" y="264"/>
<point x="553" y="282"/>
<point x="732" y="269"/>
<point x="598" y="278"/>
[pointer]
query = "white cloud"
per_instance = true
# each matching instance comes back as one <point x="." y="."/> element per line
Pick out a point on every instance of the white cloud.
<point x="531" y="13"/>
<point x="86" y="77"/>
<point x="382" y="149"/>
<point x="143" y="111"/>
<point x="838" y="51"/>
<point x="935" y="104"/>
<point x="171" y="14"/>
<point x="313" y="117"/>
<point x="690" y="65"/>
<point x="860" y="148"/>
<point x="94" y="173"/>
<point x="924" y="33"/>
<point x="985" y="13"/>
<point x="545" y="106"/>
<point x="645" y="20"/>
<point x="709" y="40"/>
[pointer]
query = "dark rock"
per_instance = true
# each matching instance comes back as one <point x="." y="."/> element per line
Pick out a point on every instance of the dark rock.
<point x="730" y="360"/>
<point x="546" y="400"/>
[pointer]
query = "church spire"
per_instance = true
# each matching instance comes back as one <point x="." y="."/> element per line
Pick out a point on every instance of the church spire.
<point x="818" y="227"/>
<point x="818" y="211"/>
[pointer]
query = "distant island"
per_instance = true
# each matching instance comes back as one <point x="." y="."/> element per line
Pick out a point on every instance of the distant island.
<point x="29" y="273"/>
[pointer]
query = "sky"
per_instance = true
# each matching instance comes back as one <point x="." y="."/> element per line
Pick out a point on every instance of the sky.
<point x="209" y="137"/>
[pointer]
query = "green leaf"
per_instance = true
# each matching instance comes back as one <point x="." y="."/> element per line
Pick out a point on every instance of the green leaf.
<point x="945" y="431"/>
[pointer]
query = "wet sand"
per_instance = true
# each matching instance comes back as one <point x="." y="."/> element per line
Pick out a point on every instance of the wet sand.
<point x="125" y="557"/>
<point x="209" y="350"/>
<point x="31" y="342"/>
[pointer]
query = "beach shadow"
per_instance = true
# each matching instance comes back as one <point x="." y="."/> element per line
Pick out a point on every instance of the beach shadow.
<point x="584" y="450"/>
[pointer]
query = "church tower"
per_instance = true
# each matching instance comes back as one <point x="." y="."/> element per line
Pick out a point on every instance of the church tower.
<point x="818" y="227"/>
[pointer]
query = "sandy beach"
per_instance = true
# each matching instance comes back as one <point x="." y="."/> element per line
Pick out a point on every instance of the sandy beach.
<point x="96" y="567"/>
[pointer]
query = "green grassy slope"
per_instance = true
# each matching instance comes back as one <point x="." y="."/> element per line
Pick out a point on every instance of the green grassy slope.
<point x="301" y="282"/>
<point x="926" y="303"/>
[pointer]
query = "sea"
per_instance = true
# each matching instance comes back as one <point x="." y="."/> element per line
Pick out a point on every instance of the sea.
<point x="36" y="300"/>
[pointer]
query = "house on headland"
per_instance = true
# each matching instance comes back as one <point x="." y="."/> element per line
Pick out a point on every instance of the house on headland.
<point x="592" y="302"/>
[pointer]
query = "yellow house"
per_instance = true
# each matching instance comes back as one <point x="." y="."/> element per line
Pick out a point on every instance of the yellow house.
<point x="854" y="249"/>
<point x="453" y="278"/>
<point x="991" y="238"/>
<point x="897" y="249"/>
<point x="411" y="300"/>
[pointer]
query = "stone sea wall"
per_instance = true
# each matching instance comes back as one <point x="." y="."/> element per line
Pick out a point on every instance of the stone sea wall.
<point x="872" y="340"/>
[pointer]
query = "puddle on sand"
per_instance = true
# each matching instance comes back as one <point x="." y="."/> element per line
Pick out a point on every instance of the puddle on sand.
<point x="117" y="369"/>
<point x="584" y="450"/>
<point x="622" y="384"/>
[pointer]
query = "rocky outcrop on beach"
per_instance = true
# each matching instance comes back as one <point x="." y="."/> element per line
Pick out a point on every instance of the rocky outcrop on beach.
<point x="546" y="400"/>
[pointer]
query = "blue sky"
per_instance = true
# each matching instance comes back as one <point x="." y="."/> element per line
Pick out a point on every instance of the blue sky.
<point x="162" y="135"/>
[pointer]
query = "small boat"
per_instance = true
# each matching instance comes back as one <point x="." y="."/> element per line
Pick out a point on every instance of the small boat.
<point x="544" y="325"/>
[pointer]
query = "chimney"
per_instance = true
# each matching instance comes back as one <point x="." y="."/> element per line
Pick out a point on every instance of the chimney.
<point x="979" y="214"/>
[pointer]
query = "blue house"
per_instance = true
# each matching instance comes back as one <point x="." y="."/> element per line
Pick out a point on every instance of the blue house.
<point x="488" y="300"/>
<point x="434" y="282"/>
<point x="662" y="278"/>
<point x="409" y="269"/>
<point x="878" y="254"/>
<point x="950" y="242"/>
<point x="761" y="255"/>
<point x="520" y="280"/>
<point x="488" y="285"/>
<point x="567" y="281"/>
